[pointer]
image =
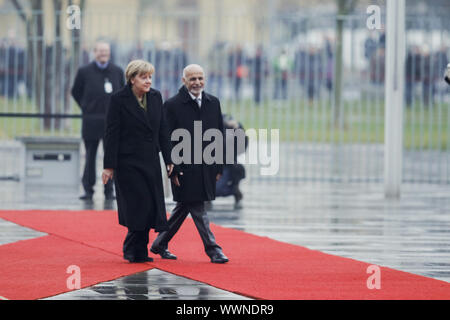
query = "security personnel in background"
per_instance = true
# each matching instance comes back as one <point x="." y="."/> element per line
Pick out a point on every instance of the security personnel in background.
<point x="234" y="172"/>
<point x="447" y="74"/>
<point x="92" y="89"/>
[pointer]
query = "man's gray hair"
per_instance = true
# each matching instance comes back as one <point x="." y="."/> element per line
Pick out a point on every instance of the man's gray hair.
<point x="101" y="41"/>
<point x="191" y="66"/>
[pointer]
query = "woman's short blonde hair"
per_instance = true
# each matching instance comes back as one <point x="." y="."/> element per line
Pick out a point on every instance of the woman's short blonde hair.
<point x="138" y="67"/>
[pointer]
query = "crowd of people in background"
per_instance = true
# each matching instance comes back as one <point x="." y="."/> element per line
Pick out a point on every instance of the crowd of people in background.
<point x="426" y="68"/>
<point x="423" y="69"/>
<point x="262" y="74"/>
<point x="12" y="67"/>
<point x="271" y="73"/>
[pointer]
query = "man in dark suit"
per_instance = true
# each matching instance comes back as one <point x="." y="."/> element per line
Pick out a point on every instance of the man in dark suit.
<point x="92" y="89"/>
<point x="193" y="183"/>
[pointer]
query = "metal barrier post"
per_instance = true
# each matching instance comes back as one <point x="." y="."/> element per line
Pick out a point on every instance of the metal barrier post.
<point x="394" y="91"/>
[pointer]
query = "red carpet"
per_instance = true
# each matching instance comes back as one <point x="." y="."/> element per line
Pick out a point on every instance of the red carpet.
<point x="259" y="267"/>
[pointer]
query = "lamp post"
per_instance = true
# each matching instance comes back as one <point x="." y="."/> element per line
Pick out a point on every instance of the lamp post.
<point x="394" y="93"/>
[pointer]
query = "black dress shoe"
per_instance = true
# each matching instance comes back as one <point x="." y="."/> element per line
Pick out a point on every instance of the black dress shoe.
<point x="165" y="254"/>
<point x="219" y="257"/>
<point x="87" y="197"/>
<point x="238" y="195"/>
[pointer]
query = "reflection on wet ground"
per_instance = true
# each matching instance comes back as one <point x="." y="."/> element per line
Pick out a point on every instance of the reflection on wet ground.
<point x="349" y="220"/>
<point x="150" y="285"/>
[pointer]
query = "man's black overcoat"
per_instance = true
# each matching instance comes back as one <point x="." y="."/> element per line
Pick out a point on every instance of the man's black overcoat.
<point x="198" y="182"/>
<point x="89" y="92"/>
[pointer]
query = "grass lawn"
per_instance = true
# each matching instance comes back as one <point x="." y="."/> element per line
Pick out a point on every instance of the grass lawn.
<point x="359" y="122"/>
<point x="11" y="127"/>
<point x="298" y="121"/>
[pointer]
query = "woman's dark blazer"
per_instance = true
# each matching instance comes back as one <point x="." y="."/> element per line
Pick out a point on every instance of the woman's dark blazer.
<point x="133" y="139"/>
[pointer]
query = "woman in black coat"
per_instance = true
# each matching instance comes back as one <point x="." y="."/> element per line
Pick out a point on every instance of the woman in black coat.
<point x="135" y="133"/>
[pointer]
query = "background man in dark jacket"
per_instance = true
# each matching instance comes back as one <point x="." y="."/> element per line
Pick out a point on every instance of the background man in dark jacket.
<point x="447" y="74"/>
<point x="92" y="89"/>
<point x="233" y="172"/>
<point x="193" y="184"/>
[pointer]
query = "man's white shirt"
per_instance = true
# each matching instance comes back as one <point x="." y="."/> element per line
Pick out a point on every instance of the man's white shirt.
<point x="198" y="99"/>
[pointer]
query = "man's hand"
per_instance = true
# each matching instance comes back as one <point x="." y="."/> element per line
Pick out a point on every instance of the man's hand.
<point x="107" y="175"/>
<point x="175" y="179"/>
<point x="218" y="176"/>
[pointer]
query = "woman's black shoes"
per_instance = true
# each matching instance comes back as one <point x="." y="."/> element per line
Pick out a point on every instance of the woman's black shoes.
<point x="139" y="260"/>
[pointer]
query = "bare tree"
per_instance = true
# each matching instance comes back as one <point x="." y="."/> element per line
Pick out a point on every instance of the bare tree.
<point x="35" y="51"/>
<point x="34" y="22"/>
<point x="54" y="71"/>
<point x="344" y="7"/>
<point x="48" y="73"/>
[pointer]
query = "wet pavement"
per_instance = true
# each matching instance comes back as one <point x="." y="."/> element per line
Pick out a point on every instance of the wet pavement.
<point x="350" y="220"/>
<point x="11" y="232"/>
<point x="149" y="285"/>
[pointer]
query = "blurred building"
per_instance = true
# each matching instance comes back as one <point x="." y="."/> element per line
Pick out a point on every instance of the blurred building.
<point x="174" y="21"/>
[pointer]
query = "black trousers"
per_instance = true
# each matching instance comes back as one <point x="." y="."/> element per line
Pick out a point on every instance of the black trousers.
<point x="179" y="214"/>
<point x="135" y="245"/>
<point x="89" y="175"/>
